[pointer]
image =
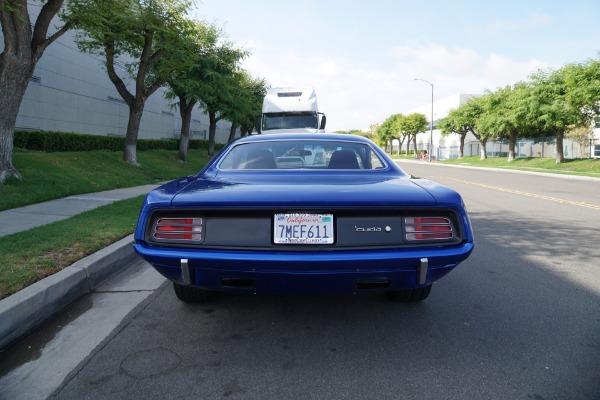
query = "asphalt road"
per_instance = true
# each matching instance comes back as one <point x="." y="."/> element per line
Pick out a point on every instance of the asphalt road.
<point x="520" y="319"/>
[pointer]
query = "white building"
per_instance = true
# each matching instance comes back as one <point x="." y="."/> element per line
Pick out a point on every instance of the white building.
<point x="70" y="92"/>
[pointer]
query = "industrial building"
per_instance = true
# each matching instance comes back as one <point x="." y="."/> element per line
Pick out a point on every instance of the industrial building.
<point x="70" y="92"/>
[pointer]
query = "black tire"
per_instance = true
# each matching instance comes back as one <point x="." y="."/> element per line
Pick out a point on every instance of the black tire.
<point x="409" y="295"/>
<point x="190" y="294"/>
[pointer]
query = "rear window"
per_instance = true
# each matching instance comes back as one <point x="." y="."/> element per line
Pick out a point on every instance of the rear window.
<point x="301" y="154"/>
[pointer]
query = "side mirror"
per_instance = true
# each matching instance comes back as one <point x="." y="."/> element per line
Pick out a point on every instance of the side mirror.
<point x="323" y="121"/>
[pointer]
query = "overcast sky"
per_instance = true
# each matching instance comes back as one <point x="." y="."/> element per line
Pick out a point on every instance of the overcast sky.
<point x="362" y="56"/>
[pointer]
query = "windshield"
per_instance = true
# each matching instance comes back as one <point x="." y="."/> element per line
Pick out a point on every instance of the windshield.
<point x="297" y="120"/>
<point x="302" y="154"/>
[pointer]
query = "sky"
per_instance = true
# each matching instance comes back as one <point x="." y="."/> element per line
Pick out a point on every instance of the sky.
<point x="362" y="56"/>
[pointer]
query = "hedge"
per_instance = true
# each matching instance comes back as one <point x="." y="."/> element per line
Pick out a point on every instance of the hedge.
<point x="50" y="141"/>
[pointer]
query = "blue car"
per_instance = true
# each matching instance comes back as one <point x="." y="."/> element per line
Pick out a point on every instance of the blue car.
<point x="303" y="214"/>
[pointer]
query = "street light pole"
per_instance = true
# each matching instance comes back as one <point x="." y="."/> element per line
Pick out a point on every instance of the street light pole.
<point x="431" y="128"/>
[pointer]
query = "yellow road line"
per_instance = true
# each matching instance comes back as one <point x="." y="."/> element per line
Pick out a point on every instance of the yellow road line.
<point x="537" y="196"/>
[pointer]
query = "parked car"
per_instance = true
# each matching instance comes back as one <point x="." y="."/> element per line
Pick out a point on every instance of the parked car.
<point x="303" y="213"/>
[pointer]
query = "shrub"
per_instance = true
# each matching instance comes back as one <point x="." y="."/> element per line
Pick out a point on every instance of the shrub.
<point x="50" y="141"/>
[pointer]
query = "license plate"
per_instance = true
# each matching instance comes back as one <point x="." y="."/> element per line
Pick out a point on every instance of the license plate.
<point x="303" y="229"/>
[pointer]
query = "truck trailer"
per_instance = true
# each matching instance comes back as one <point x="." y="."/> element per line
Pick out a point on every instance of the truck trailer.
<point x="293" y="110"/>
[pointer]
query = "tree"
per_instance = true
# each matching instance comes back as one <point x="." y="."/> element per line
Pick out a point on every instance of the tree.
<point x="452" y="123"/>
<point x="387" y="130"/>
<point x="400" y="133"/>
<point x="372" y="133"/>
<point x="23" y="48"/>
<point x="583" y="135"/>
<point x="184" y="83"/>
<point x="549" y="110"/>
<point x="216" y="91"/>
<point x="257" y="90"/>
<point x="247" y="94"/>
<point x="145" y="36"/>
<point x="412" y="125"/>
<point x="504" y="115"/>
<point x="583" y="88"/>
<point x="468" y="116"/>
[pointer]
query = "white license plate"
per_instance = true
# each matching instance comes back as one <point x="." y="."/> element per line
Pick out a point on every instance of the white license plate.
<point x="303" y="228"/>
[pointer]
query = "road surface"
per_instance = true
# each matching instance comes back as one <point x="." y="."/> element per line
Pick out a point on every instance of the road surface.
<point x="520" y="319"/>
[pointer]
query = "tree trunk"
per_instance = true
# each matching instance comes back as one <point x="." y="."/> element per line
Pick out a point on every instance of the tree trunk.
<point x="482" y="142"/>
<point x="560" y="156"/>
<point x="512" y="141"/>
<point x="482" y="150"/>
<point x="23" y="47"/>
<point x="212" y="131"/>
<point x="143" y="90"/>
<point x="408" y="146"/>
<point x="400" y="144"/>
<point x="14" y="77"/>
<point x="133" y="127"/>
<point x="232" y="132"/>
<point x="414" y="139"/>
<point x="461" y="148"/>
<point x="185" y="111"/>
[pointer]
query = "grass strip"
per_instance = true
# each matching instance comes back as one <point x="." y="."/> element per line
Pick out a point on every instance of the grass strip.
<point x="29" y="256"/>
<point x="580" y="167"/>
<point x="49" y="176"/>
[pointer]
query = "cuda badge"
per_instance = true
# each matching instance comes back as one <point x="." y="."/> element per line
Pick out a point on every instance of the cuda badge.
<point x="372" y="229"/>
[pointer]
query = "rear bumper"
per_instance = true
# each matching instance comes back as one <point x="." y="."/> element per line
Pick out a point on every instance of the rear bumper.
<point x="304" y="272"/>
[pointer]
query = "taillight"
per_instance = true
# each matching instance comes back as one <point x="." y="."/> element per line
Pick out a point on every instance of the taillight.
<point x="428" y="228"/>
<point x="178" y="229"/>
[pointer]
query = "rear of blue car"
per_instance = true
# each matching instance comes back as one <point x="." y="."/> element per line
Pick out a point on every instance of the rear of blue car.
<point x="304" y="231"/>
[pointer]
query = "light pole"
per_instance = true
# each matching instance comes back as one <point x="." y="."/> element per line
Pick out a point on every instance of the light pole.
<point x="431" y="129"/>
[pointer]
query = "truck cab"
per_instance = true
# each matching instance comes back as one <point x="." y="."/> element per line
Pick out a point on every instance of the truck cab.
<point x="291" y="110"/>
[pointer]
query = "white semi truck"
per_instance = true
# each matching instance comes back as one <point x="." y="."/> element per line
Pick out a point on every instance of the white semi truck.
<point x="291" y="110"/>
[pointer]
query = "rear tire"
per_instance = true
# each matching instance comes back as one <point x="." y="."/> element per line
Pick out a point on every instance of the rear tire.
<point x="189" y="294"/>
<point x="410" y="295"/>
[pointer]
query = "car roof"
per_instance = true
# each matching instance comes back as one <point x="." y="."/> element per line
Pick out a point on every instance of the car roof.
<point x="302" y="136"/>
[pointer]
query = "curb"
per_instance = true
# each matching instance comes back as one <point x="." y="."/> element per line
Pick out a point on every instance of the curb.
<point x="514" y="171"/>
<point x="29" y="308"/>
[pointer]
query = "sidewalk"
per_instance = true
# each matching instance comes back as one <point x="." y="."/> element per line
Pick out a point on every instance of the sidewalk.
<point x="31" y="307"/>
<point x="24" y="218"/>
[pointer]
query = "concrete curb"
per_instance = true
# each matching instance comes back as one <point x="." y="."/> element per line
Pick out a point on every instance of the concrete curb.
<point x="31" y="307"/>
<point x="512" y="171"/>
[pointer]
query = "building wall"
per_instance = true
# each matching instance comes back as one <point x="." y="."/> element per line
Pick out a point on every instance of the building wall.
<point x="71" y="92"/>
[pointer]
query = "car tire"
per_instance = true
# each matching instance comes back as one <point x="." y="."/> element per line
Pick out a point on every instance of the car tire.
<point x="409" y="295"/>
<point x="189" y="294"/>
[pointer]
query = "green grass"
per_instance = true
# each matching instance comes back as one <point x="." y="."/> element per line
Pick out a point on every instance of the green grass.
<point x="580" y="167"/>
<point x="29" y="256"/>
<point x="48" y="176"/>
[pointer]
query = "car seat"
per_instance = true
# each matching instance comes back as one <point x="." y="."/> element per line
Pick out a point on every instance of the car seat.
<point x="343" y="159"/>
